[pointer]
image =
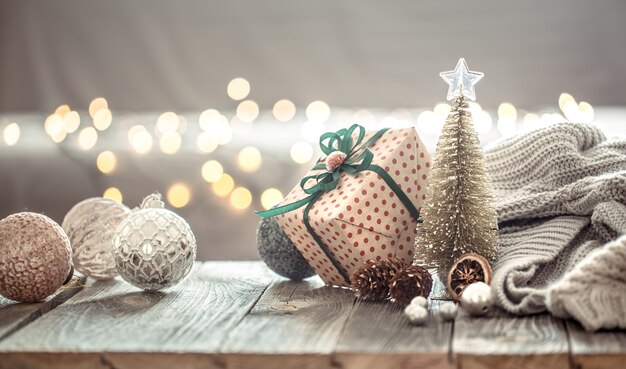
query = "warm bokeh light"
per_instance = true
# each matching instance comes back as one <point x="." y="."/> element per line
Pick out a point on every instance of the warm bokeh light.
<point x="311" y="131"/>
<point x="564" y="99"/>
<point x="212" y="171"/>
<point x="62" y="110"/>
<point x="113" y="193"/>
<point x="531" y="119"/>
<point x="442" y="110"/>
<point x="71" y="121"/>
<point x="507" y="119"/>
<point x="247" y="111"/>
<point x="429" y="123"/>
<point x="318" y="111"/>
<point x="586" y="112"/>
<point x="11" y="134"/>
<point x="178" y="195"/>
<point x="507" y="110"/>
<point x="106" y="162"/>
<point x="241" y="198"/>
<point x="54" y="125"/>
<point x="223" y="186"/>
<point x="249" y="159"/>
<point x="271" y="197"/>
<point x="102" y="119"/>
<point x="87" y="138"/>
<point x="97" y="104"/>
<point x="238" y="88"/>
<point x="168" y="122"/>
<point x="141" y="141"/>
<point x="301" y="152"/>
<point x="207" y="117"/>
<point x="284" y="110"/>
<point x="170" y="143"/>
<point x="482" y="122"/>
<point x="206" y="143"/>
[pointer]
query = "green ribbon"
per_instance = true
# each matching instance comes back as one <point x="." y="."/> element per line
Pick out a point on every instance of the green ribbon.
<point x="358" y="158"/>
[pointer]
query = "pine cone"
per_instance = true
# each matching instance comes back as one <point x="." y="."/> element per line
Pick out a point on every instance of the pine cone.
<point x="410" y="282"/>
<point x="371" y="281"/>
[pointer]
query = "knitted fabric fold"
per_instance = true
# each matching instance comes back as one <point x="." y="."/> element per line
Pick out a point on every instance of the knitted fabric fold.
<point x="560" y="196"/>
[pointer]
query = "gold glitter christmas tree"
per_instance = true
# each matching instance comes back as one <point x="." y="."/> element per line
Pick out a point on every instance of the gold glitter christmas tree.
<point x="459" y="216"/>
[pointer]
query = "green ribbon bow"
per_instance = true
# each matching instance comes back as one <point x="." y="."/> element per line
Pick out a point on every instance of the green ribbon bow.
<point x="358" y="158"/>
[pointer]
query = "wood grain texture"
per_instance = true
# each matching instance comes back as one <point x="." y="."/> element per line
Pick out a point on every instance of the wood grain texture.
<point x="113" y="316"/>
<point x="296" y="322"/>
<point x="378" y="335"/>
<point x="14" y="315"/>
<point x="503" y="341"/>
<point x="601" y="350"/>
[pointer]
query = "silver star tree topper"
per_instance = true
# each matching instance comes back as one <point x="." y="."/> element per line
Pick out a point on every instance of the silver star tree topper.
<point x="461" y="81"/>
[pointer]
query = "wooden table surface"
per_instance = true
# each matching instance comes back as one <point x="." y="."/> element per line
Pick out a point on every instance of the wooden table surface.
<point x="240" y="315"/>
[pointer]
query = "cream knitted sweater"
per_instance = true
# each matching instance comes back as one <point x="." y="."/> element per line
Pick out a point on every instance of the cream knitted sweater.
<point x="561" y="203"/>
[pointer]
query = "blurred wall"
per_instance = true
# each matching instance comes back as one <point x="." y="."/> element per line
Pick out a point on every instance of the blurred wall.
<point x="179" y="55"/>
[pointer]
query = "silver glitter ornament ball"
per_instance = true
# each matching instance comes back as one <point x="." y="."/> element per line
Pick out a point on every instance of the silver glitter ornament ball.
<point x="90" y="226"/>
<point x="477" y="298"/>
<point x="35" y="257"/>
<point x="153" y="247"/>
<point x="417" y="314"/>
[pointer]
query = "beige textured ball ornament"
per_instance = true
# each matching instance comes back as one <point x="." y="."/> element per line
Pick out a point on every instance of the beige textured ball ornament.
<point x="90" y="226"/>
<point x="35" y="257"/>
<point x="153" y="247"/>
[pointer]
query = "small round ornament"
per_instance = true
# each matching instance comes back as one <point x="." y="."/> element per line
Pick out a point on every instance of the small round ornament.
<point x="153" y="247"/>
<point x="279" y="253"/>
<point x="90" y="226"/>
<point x="448" y="311"/>
<point x="417" y="315"/>
<point x="477" y="299"/>
<point x="35" y="257"/>
<point x="420" y="301"/>
<point x="468" y="269"/>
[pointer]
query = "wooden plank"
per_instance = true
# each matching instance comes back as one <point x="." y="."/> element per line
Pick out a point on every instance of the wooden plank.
<point x="504" y="341"/>
<point x="113" y="324"/>
<point x="597" y="350"/>
<point x="293" y="325"/>
<point x="14" y="315"/>
<point x="379" y="336"/>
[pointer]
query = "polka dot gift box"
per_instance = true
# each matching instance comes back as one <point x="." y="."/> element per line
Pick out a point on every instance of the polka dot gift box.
<point x="359" y="202"/>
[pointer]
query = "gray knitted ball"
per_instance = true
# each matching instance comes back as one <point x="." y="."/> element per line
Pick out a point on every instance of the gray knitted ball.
<point x="279" y="253"/>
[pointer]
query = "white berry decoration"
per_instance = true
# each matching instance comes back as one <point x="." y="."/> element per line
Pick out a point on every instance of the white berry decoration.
<point x="153" y="247"/>
<point x="420" y="301"/>
<point x="476" y="299"/>
<point x="418" y="315"/>
<point x="448" y="311"/>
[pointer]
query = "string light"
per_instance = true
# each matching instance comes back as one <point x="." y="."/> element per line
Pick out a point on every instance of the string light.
<point x="206" y="143"/>
<point x="71" y="120"/>
<point x="206" y="117"/>
<point x="54" y="125"/>
<point x="87" y="138"/>
<point x="271" y="197"/>
<point x="507" y="119"/>
<point x="223" y="186"/>
<point x="102" y="119"/>
<point x="247" y="111"/>
<point x="140" y="139"/>
<point x="113" y="193"/>
<point x="565" y="99"/>
<point x="238" y="88"/>
<point x="301" y="152"/>
<point x="106" y="162"/>
<point x="241" y="198"/>
<point x="11" y="134"/>
<point x="429" y="123"/>
<point x="284" y="110"/>
<point x="170" y="143"/>
<point x="212" y="171"/>
<point x="168" y="122"/>
<point x="586" y="112"/>
<point x="178" y="195"/>
<point x="97" y="104"/>
<point x="249" y="159"/>
<point x="62" y="110"/>
<point x="318" y="111"/>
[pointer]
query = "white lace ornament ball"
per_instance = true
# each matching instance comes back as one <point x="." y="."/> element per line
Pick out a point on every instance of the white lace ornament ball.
<point x="153" y="247"/>
<point x="90" y="226"/>
<point x="448" y="311"/>
<point x="35" y="257"/>
<point x="477" y="299"/>
<point x="417" y="314"/>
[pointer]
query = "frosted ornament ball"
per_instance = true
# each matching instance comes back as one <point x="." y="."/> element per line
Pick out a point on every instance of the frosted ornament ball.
<point x="154" y="247"/>
<point x="35" y="257"/>
<point x="477" y="299"/>
<point x="90" y="225"/>
<point x="417" y="315"/>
